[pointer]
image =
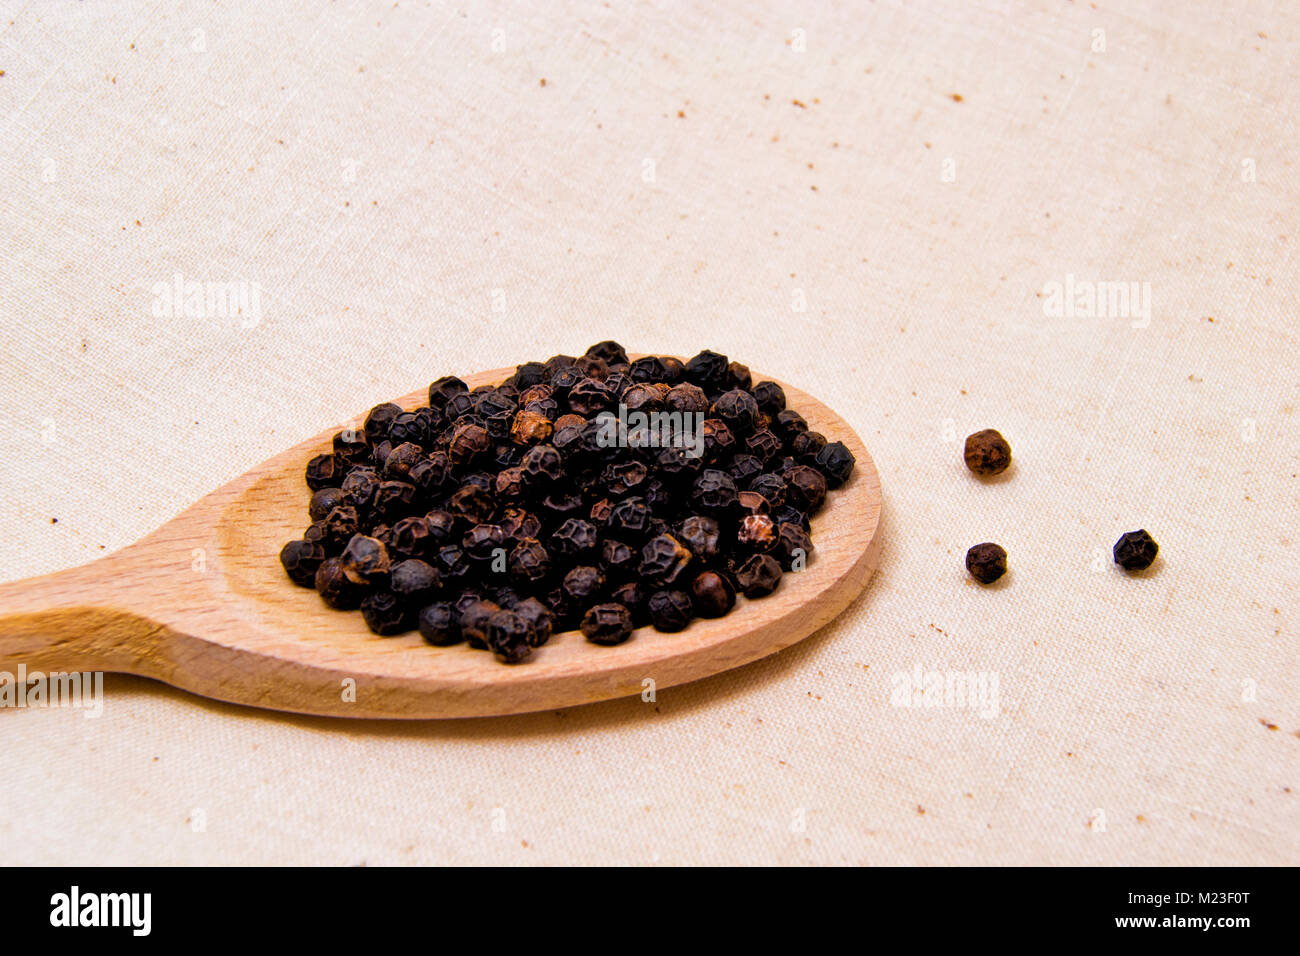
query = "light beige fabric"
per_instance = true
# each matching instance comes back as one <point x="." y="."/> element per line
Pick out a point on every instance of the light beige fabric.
<point x="411" y="199"/>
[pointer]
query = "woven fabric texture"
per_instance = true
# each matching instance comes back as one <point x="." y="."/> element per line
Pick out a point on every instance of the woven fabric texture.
<point x="899" y="207"/>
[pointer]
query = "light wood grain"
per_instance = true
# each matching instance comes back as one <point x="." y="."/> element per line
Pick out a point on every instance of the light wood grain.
<point x="203" y="604"/>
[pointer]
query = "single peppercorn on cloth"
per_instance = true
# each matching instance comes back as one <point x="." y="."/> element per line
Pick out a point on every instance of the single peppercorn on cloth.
<point x="1071" y="223"/>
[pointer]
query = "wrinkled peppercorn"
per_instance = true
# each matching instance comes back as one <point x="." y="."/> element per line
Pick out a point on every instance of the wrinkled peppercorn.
<point x="663" y="559"/>
<point x="501" y="513"/>
<point x="439" y="624"/>
<point x="987" y="452"/>
<point x="301" y="559"/>
<point x="757" y="532"/>
<point x="1135" y="550"/>
<point x="986" y="562"/>
<point x="507" y="637"/>
<point x="607" y="624"/>
<point x="334" y="587"/>
<point x="385" y="613"/>
<point x="365" y="560"/>
<point x="539" y="619"/>
<point x="758" y="576"/>
<point x="670" y="611"/>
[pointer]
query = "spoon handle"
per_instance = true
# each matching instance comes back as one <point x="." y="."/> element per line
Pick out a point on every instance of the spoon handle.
<point x="70" y="621"/>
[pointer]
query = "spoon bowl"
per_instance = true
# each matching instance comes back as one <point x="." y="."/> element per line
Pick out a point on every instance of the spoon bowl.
<point x="203" y="604"/>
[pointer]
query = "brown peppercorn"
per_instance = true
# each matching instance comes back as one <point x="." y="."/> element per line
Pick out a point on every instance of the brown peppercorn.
<point x="663" y="559"/>
<point x="530" y="428"/>
<point x="758" y="576"/>
<point x="301" y="560"/>
<point x="507" y="637"/>
<point x="334" y="587"/>
<point x="539" y="619"/>
<point x="986" y="562"/>
<point x="712" y="594"/>
<point x="365" y="560"/>
<point x="1135" y="550"/>
<point x="987" y="452"/>
<point x="468" y="441"/>
<point x="325" y="470"/>
<point x="793" y="546"/>
<point x="805" y="488"/>
<point x="757" y="532"/>
<point x="607" y="624"/>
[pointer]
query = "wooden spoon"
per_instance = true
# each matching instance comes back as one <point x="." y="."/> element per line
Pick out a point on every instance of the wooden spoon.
<point x="203" y="604"/>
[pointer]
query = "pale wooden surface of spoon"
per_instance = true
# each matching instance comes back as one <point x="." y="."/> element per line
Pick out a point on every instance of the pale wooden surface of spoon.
<point x="203" y="604"/>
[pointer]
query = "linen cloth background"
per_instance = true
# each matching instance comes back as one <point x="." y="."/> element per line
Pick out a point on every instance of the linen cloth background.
<point x="412" y="200"/>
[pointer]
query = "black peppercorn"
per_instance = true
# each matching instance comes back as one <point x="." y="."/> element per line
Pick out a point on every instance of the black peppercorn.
<point x="507" y="637"/>
<point x="607" y="624"/>
<point x="617" y="559"/>
<point x="378" y="421"/>
<point x="574" y="539"/>
<point x="385" y="613"/>
<point x="835" y="462"/>
<point x="630" y="519"/>
<point x="324" y="501"/>
<point x="608" y="351"/>
<point x="663" y="559"/>
<point x="471" y="503"/>
<point x="713" y="594"/>
<point x="757" y="532"/>
<point x="708" y="370"/>
<point x="770" y="397"/>
<point x="301" y="559"/>
<point x="408" y="428"/>
<point x="414" y="581"/>
<point x="986" y="562"/>
<point x="738" y="410"/>
<point x="806" y="445"/>
<point x="334" y="587"/>
<point x="793" y="546"/>
<point x="339" y="526"/>
<point x="701" y="535"/>
<point x="454" y="564"/>
<point x="633" y="596"/>
<point x="365" y="560"/>
<point x="987" y="452"/>
<point x="468" y="441"/>
<point x="473" y="616"/>
<point x="1135" y="550"/>
<point x="445" y="389"/>
<point x="583" y="584"/>
<point x="542" y="466"/>
<point x="483" y="542"/>
<point x="439" y="624"/>
<point x="714" y="491"/>
<point x="670" y="611"/>
<point x="758" y="576"/>
<point x="539" y="619"/>
<point x="805" y="488"/>
<point x="529" y="562"/>
<point x="687" y="398"/>
<point x="392" y="499"/>
<point x="324" y="471"/>
<point x="411" y="537"/>
<point x="771" y="487"/>
<point x="400" y="461"/>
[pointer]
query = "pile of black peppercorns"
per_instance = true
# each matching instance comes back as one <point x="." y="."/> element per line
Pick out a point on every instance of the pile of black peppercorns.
<point x="502" y="514"/>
